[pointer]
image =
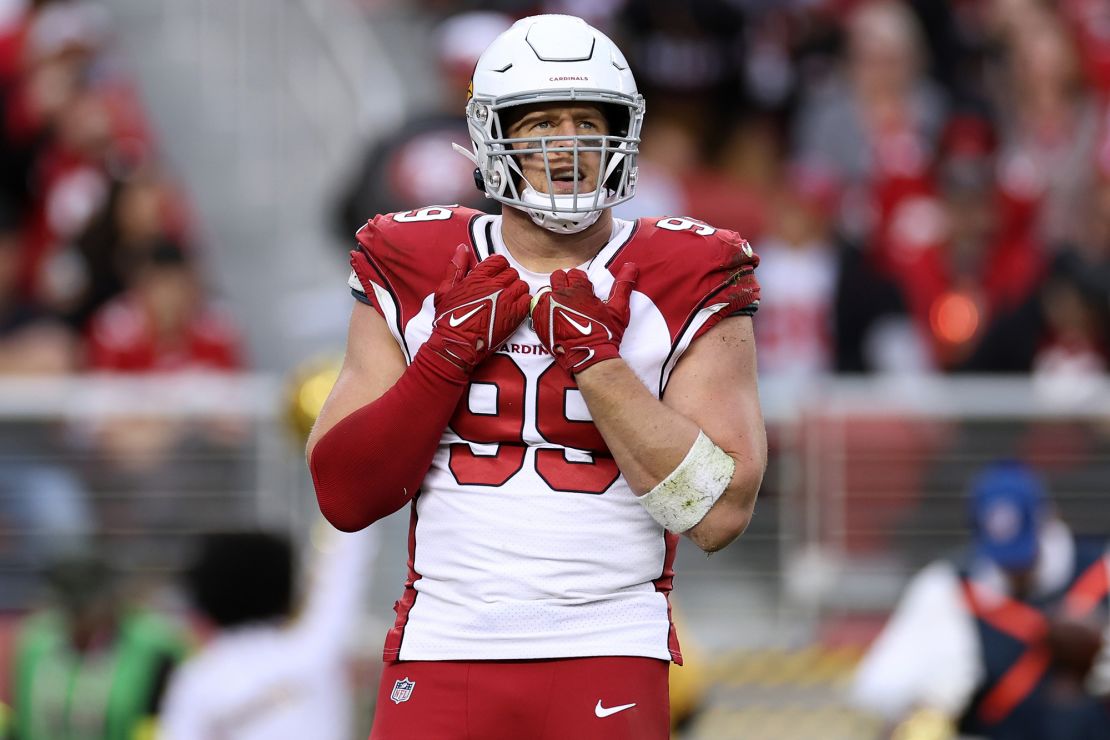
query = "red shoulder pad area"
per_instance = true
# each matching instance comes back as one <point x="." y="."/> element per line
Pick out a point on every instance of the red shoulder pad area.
<point x="686" y="266"/>
<point x="405" y="254"/>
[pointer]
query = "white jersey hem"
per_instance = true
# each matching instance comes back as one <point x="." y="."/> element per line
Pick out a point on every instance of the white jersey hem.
<point x="577" y="651"/>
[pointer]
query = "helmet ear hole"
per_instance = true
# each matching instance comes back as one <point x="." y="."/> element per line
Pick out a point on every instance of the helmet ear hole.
<point x="479" y="182"/>
<point x="509" y="118"/>
<point x="618" y="118"/>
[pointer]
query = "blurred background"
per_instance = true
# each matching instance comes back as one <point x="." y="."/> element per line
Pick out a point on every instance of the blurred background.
<point x="927" y="183"/>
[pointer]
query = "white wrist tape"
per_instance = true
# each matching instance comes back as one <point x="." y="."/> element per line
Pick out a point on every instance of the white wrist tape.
<point x="684" y="497"/>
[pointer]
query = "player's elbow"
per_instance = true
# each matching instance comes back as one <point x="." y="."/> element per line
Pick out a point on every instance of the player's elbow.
<point x="339" y="513"/>
<point x="339" y="500"/>
<point x="717" y="532"/>
<point x="733" y="512"/>
<point x="356" y="490"/>
<point x="342" y="520"/>
<point x="350" y="508"/>
<point x="721" y="527"/>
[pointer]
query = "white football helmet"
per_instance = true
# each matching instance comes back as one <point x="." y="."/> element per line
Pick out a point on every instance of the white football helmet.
<point x="554" y="58"/>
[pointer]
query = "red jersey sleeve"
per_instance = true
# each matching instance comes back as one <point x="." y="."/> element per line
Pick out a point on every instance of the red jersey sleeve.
<point x="694" y="275"/>
<point x="401" y="258"/>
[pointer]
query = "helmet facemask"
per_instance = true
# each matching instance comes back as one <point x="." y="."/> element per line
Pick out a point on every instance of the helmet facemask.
<point x="498" y="157"/>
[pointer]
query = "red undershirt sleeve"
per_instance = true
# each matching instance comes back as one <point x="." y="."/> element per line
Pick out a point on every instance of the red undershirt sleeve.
<point x="373" y="461"/>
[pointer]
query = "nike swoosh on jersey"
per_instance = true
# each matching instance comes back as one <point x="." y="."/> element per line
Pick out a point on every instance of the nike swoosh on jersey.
<point x="584" y="328"/>
<point x="601" y="711"/>
<point x="454" y="320"/>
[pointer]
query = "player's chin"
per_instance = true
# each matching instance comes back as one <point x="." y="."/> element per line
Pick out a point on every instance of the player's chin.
<point x="566" y="187"/>
<point x="570" y="188"/>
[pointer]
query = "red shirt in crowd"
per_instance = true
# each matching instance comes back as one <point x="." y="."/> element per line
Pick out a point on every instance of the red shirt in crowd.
<point x="122" y="339"/>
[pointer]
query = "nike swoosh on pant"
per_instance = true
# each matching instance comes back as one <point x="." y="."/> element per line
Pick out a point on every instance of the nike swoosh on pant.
<point x="601" y="711"/>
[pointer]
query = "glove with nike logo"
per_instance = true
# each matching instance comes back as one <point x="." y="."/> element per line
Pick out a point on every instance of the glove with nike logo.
<point x="477" y="309"/>
<point x="577" y="327"/>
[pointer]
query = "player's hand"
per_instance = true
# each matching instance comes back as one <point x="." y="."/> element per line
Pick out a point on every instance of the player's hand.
<point x="477" y="308"/>
<point x="577" y="327"/>
<point x="1074" y="646"/>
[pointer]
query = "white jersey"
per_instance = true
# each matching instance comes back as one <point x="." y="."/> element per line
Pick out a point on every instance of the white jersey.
<point x="526" y="541"/>
<point x="261" y="682"/>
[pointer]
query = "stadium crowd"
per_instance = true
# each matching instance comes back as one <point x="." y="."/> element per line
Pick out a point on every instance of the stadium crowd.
<point x="96" y="267"/>
<point x="98" y="273"/>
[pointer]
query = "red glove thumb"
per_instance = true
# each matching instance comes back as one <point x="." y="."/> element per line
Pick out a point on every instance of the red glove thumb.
<point x="622" y="288"/>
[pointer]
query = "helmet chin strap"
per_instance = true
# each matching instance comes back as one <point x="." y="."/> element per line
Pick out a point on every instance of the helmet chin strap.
<point x="559" y="221"/>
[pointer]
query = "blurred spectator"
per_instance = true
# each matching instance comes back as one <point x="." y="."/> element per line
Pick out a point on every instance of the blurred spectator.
<point x="955" y="246"/>
<point x="881" y="116"/>
<point x="799" y="277"/>
<point x="13" y="19"/>
<point x="93" y="665"/>
<point x="1089" y="21"/>
<point x="44" y="511"/>
<point x="777" y="45"/>
<point x="665" y="153"/>
<point x="268" y="672"/>
<point x="874" y="332"/>
<point x="86" y="216"/>
<point x="957" y="35"/>
<point x="31" y="341"/>
<point x="140" y="211"/>
<point x="676" y="176"/>
<point x="75" y="121"/>
<point x="15" y="158"/>
<point x="162" y="322"/>
<point x="601" y="14"/>
<point x="1063" y="329"/>
<point x="697" y="154"/>
<point x="415" y="165"/>
<point x="688" y="57"/>
<point x="1003" y="641"/>
<point x="828" y="308"/>
<point x="1051" y="124"/>
<point x="726" y="183"/>
<point x="1076" y="329"/>
<point x="42" y="505"/>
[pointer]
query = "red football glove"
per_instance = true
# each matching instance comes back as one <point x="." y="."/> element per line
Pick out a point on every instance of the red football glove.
<point x="477" y="309"/>
<point x="577" y="327"/>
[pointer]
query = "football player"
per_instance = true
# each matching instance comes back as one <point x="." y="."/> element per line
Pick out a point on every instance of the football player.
<point x="557" y="395"/>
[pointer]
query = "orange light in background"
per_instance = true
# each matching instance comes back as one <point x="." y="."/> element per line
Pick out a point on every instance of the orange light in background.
<point x="954" y="317"/>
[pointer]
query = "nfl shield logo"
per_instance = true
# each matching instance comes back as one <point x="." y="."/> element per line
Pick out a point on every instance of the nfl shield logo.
<point x="402" y="690"/>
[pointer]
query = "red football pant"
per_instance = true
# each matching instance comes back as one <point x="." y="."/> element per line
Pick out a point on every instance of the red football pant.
<point x="579" y="698"/>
